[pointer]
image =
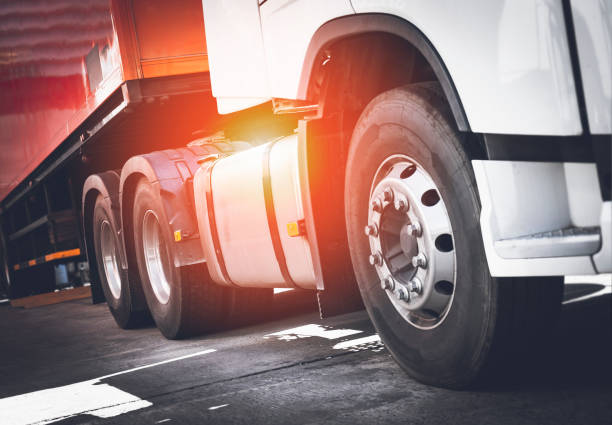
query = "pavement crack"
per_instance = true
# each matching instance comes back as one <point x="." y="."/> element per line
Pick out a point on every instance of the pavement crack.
<point x="250" y="375"/>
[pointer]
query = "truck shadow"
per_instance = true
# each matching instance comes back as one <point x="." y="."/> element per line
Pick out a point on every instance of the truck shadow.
<point x="285" y="304"/>
<point x="579" y="352"/>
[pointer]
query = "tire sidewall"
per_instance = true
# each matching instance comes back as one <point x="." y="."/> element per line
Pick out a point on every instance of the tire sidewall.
<point x="121" y="307"/>
<point x="399" y="122"/>
<point x="167" y="316"/>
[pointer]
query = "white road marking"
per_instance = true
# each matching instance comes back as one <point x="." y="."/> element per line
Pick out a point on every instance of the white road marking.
<point x="218" y="407"/>
<point x="55" y="404"/>
<point x="120" y="409"/>
<point x="92" y="397"/>
<point x="310" y="330"/>
<point x="359" y="341"/>
<point x="176" y="359"/>
<point x="601" y="292"/>
<point x="599" y="279"/>
<point x="281" y="290"/>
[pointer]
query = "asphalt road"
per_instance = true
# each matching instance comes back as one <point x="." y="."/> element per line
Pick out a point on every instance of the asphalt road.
<point x="69" y="364"/>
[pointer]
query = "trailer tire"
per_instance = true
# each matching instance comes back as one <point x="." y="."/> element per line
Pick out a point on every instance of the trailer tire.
<point x="183" y="300"/>
<point x="120" y="293"/>
<point x="473" y="324"/>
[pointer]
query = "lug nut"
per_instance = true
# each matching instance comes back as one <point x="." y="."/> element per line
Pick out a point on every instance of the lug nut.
<point x="415" y="285"/>
<point x="376" y="259"/>
<point x="415" y="229"/>
<point x="419" y="260"/>
<point x="377" y="205"/>
<point x="401" y="293"/>
<point x="387" y="283"/>
<point x="371" y="230"/>
<point x="401" y="205"/>
<point x="388" y="195"/>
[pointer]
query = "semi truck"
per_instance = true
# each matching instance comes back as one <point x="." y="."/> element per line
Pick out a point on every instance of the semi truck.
<point x="443" y="164"/>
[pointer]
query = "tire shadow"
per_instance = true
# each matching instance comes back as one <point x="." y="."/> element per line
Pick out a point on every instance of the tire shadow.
<point x="579" y="351"/>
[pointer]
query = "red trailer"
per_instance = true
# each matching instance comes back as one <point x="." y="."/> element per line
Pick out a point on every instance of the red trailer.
<point x="84" y="85"/>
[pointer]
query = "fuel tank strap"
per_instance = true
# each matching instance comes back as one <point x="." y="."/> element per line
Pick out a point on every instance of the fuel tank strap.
<point x="271" y="215"/>
<point x="213" y="225"/>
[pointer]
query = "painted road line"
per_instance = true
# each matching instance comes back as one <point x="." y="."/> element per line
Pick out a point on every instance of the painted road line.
<point x="92" y="397"/>
<point x="55" y="404"/>
<point x="176" y="359"/>
<point x="311" y="330"/>
<point x="218" y="407"/>
<point x="359" y="341"/>
<point x="281" y="290"/>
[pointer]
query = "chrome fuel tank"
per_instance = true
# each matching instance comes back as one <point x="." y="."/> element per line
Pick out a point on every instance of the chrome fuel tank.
<point x="250" y="216"/>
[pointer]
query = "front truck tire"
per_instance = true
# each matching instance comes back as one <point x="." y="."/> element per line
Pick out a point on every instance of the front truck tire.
<point x="420" y="263"/>
<point x="183" y="300"/>
<point x="123" y="297"/>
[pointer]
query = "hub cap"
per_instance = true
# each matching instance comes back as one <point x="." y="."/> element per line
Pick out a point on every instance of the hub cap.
<point x="109" y="258"/>
<point x="156" y="257"/>
<point x="411" y="241"/>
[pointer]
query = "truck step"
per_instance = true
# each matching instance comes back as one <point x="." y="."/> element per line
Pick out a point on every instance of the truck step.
<point x="568" y="242"/>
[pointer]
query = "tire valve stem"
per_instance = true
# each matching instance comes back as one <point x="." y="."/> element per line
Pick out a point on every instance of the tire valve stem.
<point x="376" y="259"/>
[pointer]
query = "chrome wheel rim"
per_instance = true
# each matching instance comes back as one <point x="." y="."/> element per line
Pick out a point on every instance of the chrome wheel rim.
<point x="156" y="257"/>
<point x="411" y="242"/>
<point x="108" y="250"/>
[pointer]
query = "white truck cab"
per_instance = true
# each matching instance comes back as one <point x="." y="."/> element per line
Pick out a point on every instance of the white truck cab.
<point x="477" y="151"/>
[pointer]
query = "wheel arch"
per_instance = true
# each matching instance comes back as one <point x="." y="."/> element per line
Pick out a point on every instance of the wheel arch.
<point x="346" y="65"/>
<point x="170" y="173"/>
<point x="134" y="169"/>
<point x="343" y="28"/>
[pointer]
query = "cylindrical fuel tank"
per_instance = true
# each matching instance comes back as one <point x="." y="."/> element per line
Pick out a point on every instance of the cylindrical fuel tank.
<point x="250" y="217"/>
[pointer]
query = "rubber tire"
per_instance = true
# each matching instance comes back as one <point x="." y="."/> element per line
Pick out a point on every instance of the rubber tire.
<point x="196" y="304"/>
<point x="129" y="310"/>
<point x="490" y="320"/>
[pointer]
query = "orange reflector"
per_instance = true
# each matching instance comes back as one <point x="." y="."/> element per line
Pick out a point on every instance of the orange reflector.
<point x="49" y="257"/>
<point x="296" y="228"/>
<point x="63" y="254"/>
<point x="177" y="236"/>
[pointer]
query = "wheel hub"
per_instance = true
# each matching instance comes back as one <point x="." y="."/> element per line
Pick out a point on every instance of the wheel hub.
<point x="156" y="257"/>
<point x="109" y="258"/>
<point x="411" y="241"/>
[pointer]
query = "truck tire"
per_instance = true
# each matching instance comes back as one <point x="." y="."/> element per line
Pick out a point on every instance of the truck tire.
<point x="183" y="300"/>
<point x="420" y="263"/>
<point x="121" y="295"/>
